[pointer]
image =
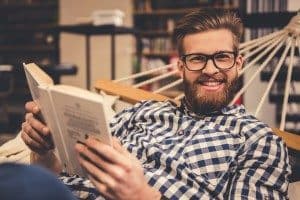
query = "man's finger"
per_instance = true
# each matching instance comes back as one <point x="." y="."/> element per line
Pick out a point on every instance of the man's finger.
<point x="32" y="107"/>
<point x="37" y="125"/>
<point x="97" y="173"/>
<point x="30" y="142"/>
<point x="109" y="153"/>
<point x="113" y="170"/>
<point x="28" y="130"/>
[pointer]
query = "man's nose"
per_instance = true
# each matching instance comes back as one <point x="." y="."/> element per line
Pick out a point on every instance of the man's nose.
<point x="210" y="68"/>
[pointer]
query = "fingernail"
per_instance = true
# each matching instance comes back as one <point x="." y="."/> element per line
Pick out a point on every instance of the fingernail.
<point x="78" y="147"/>
<point x="45" y="130"/>
<point x="36" y="109"/>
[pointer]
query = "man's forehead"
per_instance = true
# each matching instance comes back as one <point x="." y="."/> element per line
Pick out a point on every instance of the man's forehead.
<point x="208" y="41"/>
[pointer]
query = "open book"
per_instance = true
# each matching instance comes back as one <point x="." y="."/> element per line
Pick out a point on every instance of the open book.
<point x="71" y="113"/>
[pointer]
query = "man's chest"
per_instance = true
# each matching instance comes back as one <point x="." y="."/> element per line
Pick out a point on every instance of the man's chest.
<point x="204" y="148"/>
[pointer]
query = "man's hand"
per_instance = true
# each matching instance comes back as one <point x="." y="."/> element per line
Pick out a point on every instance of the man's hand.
<point x="37" y="137"/>
<point x="114" y="171"/>
<point x="35" y="134"/>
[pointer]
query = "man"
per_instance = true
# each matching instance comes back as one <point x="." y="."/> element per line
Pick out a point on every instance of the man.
<point x="200" y="149"/>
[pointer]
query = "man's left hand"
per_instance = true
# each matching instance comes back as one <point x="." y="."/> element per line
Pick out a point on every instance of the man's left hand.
<point x="114" y="171"/>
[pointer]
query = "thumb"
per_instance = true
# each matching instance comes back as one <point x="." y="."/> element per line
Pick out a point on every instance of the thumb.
<point x="32" y="107"/>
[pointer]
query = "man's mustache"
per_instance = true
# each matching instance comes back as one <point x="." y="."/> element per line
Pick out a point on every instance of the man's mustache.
<point x="214" y="78"/>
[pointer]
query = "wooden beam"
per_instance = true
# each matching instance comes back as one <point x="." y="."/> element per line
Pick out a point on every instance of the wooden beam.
<point x="291" y="140"/>
<point x="128" y="93"/>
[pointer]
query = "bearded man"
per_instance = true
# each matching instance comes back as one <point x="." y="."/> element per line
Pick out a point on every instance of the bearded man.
<point x="200" y="149"/>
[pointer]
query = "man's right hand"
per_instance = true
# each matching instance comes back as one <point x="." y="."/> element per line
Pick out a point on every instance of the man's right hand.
<point x="35" y="134"/>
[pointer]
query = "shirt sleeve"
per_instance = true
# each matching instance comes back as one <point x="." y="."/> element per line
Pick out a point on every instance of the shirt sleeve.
<point x="263" y="171"/>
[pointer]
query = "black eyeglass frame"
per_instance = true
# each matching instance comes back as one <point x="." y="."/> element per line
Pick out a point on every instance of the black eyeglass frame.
<point x="209" y="57"/>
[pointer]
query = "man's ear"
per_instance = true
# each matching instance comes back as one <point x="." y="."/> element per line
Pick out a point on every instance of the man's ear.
<point x="180" y="68"/>
<point x="239" y="62"/>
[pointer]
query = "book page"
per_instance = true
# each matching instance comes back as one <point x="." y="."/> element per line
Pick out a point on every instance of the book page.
<point x="81" y="114"/>
<point x="35" y="77"/>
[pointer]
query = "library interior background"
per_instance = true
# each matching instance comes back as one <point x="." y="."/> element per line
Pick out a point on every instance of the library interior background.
<point x="79" y="42"/>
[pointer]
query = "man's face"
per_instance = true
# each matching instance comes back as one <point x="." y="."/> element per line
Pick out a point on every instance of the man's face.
<point x="209" y="89"/>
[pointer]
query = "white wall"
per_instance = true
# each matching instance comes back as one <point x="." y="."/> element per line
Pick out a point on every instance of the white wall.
<point x="72" y="47"/>
<point x="293" y="5"/>
<point x="253" y="95"/>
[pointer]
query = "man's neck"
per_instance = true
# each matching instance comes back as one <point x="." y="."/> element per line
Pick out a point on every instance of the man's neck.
<point x="190" y="108"/>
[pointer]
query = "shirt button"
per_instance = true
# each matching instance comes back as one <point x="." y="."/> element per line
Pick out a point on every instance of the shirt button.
<point x="181" y="132"/>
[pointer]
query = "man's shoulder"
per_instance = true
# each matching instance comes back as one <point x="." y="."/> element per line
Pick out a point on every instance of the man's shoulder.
<point x="251" y="126"/>
<point x="254" y="129"/>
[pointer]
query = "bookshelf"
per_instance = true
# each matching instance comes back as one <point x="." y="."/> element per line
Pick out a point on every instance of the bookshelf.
<point x="156" y="20"/>
<point x="27" y="34"/>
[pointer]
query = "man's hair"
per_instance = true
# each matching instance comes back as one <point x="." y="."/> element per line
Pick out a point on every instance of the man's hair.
<point x="201" y="20"/>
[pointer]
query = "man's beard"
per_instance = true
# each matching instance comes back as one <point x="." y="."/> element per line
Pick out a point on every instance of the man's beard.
<point x="202" y="104"/>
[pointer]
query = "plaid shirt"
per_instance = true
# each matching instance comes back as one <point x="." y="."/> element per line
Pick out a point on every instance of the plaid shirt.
<point x="226" y="155"/>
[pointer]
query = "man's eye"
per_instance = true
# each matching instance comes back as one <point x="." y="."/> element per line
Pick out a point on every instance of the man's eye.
<point x="223" y="56"/>
<point x="195" y="59"/>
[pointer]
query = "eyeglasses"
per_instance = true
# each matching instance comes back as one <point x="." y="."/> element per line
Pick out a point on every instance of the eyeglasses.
<point x="223" y="60"/>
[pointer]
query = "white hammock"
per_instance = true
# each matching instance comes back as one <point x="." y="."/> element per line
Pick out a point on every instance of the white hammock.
<point x="267" y="46"/>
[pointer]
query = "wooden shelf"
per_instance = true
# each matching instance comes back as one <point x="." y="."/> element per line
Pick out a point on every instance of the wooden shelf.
<point x="267" y="20"/>
<point x="20" y="28"/>
<point x="278" y="98"/>
<point x="14" y="6"/>
<point x="25" y="48"/>
<point x="266" y="75"/>
<point x="90" y="29"/>
<point x="289" y="118"/>
<point x="158" y="33"/>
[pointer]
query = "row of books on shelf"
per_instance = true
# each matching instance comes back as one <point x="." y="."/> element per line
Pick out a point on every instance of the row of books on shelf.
<point x="161" y="23"/>
<point x="259" y="6"/>
<point x="39" y="38"/>
<point x="151" y="5"/>
<point x="251" y="34"/>
<point x="153" y="63"/>
<point x="161" y="45"/>
<point x="293" y="127"/>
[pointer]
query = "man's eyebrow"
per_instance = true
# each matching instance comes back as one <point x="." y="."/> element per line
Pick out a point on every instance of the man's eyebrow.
<point x="219" y="51"/>
<point x="224" y="51"/>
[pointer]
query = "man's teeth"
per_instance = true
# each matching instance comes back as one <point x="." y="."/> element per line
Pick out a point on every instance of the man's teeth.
<point x="210" y="83"/>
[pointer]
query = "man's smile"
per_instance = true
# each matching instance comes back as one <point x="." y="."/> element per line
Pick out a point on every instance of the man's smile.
<point x="211" y="84"/>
